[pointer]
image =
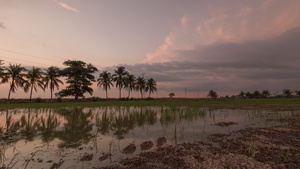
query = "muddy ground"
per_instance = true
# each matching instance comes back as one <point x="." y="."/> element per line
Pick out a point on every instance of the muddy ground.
<point x="273" y="147"/>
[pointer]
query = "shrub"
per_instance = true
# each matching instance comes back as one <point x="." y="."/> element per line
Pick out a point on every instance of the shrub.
<point x="95" y="99"/>
<point x="59" y="99"/>
<point x="38" y="100"/>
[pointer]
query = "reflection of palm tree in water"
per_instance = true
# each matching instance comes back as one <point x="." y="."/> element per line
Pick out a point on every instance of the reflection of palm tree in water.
<point x="104" y="122"/>
<point x="48" y="126"/>
<point x="11" y="126"/>
<point x="125" y="120"/>
<point x="78" y="128"/>
<point x="29" y="125"/>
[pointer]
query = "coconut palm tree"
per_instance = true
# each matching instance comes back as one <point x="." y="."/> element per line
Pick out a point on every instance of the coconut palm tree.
<point x="140" y="85"/>
<point x="15" y="74"/>
<point x="35" y="80"/>
<point x="151" y="86"/>
<point x="120" y="77"/>
<point x="51" y="79"/>
<point x="1" y="71"/>
<point x="105" y="80"/>
<point x="212" y="94"/>
<point x="130" y="85"/>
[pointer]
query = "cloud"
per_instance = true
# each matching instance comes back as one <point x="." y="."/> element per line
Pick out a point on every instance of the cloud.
<point x="68" y="7"/>
<point x="272" y="64"/>
<point x="240" y="22"/>
<point x="2" y="25"/>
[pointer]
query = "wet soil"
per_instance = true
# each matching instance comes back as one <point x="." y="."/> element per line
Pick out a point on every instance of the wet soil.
<point x="146" y="145"/>
<point x="225" y="124"/>
<point x="129" y="149"/>
<point x="87" y="157"/>
<point x="57" y="165"/>
<point x="272" y="147"/>
<point x="104" y="156"/>
<point x="161" y="141"/>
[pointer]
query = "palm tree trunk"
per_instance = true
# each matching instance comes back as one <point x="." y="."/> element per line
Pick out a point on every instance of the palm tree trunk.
<point x="11" y="87"/>
<point x="7" y="121"/>
<point x="51" y="93"/>
<point x="128" y="93"/>
<point x="9" y="93"/>
<point x="106" y="93"/>
<point x="31" y="91"/>
<point x="141" y="93"/>
<point x="120" y="92"/>
<point x="149" y="93"/>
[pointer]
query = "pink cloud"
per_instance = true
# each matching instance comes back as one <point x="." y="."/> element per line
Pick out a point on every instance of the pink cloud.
<point x="68" y="7"/>
<point x="235" y="23"/>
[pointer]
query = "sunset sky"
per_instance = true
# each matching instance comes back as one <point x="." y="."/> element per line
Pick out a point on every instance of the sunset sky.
<point x="192" y="45"/>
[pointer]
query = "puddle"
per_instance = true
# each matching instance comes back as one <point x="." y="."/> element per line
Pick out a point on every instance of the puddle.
<point x="94" y="137"/>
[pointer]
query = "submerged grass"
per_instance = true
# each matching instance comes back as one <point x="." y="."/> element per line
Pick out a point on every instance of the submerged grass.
<point x="157" y="102"/>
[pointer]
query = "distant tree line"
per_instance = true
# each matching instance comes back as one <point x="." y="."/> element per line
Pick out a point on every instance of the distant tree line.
<point x="79" y="78"/>
<point x="286" y="93"/>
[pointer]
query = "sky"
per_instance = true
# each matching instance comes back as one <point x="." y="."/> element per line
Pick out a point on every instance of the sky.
<point x="188" y="47"/>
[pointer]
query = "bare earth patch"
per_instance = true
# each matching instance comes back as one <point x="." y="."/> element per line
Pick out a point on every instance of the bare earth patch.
<point x="273" y="147"/>
<point x="129" y="149"/>
<point x="225" y="124"/>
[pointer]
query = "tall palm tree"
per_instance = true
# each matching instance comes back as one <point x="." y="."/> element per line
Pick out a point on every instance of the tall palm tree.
<point x="15" y="74"/>
<point x="35" y="80"/>
<point x="120" y="77"/>
<point x="140" y="85"/>
<point x="105" y="80"/>
<point x="1" y="71"/>
<point x="151" y="86"/>
<point x="51" y="79"/>
<point x="130" y="85"/>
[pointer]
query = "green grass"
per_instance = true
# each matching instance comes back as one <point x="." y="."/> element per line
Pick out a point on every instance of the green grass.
<point x="159" y="102"/>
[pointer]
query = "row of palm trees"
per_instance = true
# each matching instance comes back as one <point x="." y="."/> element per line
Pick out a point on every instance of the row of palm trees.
<point x="35" y="78"/>
<point x="126" y="80"/>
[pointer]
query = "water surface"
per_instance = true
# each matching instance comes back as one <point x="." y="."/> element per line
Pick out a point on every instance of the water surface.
<point x="39" y="138"/>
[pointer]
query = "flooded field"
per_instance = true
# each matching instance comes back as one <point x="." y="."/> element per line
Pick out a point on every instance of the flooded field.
<point x="95" y="137"/>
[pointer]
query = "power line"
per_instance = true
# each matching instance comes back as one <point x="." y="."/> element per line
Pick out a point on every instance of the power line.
<point x="25" y="61"/>
<point x="29" y="55"/>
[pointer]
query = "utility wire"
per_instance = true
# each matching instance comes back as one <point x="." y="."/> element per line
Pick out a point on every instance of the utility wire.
<point x="25" y="61"/>
<point x="29" y="55"/>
